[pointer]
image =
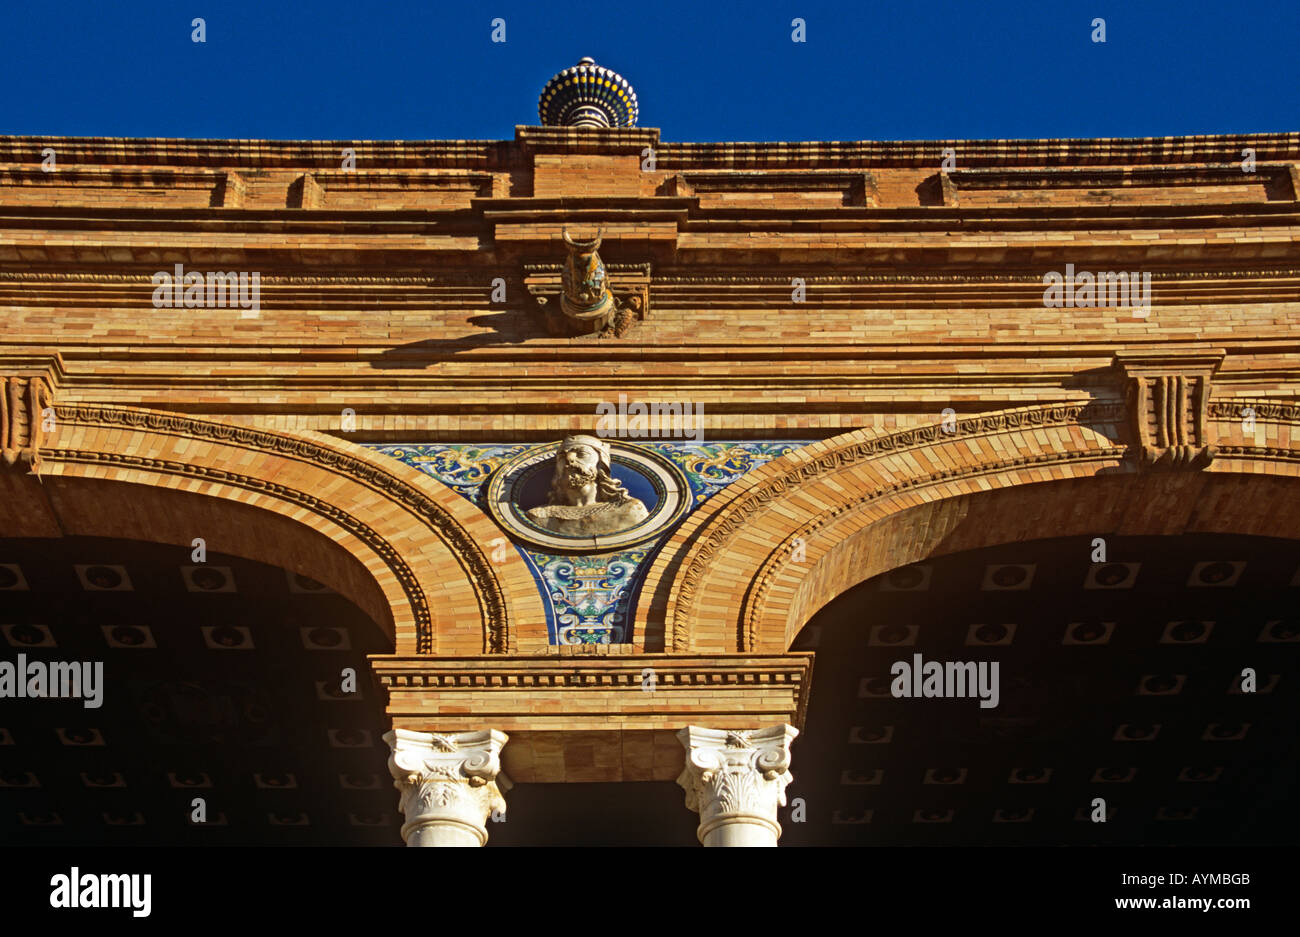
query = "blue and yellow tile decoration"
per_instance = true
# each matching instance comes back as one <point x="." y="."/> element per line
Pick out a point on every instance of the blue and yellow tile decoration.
<point x="590" y="599"/>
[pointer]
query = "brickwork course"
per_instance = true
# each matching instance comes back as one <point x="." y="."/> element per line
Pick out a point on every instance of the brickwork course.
<point x="857" y="295"/>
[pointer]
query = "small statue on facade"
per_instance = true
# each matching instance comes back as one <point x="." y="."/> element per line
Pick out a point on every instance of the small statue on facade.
<point x="584" y="498"/>
<point x="586" y="299"/>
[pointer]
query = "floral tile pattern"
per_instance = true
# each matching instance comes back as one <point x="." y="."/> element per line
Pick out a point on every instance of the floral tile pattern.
<point x="590" y="599"/>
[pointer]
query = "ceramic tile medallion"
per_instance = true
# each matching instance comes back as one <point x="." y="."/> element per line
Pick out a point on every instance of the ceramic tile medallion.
<point x="588" y="514"/>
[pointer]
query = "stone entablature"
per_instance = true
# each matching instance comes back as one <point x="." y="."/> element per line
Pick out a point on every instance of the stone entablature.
<point x="620" y="706"/>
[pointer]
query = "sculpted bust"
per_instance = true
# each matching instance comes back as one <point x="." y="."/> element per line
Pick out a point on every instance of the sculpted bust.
<point x="584" y="498"/>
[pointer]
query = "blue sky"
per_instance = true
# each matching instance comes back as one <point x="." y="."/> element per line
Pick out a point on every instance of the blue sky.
<point x="869" y="70"/>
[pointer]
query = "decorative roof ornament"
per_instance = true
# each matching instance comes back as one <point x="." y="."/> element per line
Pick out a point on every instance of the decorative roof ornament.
<point x="587" y="95"/>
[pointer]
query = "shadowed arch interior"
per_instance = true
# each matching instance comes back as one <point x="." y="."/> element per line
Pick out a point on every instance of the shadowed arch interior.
<point x="1120" y="680"/>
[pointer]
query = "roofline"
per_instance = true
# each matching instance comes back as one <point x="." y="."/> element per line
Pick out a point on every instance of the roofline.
<point x="490" y="154"/>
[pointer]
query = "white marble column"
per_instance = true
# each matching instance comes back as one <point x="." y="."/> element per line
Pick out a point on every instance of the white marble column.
<point x="450" y="784"/>
<point x="735" y="780"/>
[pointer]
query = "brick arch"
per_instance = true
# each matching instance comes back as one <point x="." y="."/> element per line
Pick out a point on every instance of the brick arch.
<point x="410" y="552"/>
<point x="732" y="578"/>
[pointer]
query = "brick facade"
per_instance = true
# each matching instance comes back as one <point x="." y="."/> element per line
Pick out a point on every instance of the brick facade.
<point x="844" y="293"/>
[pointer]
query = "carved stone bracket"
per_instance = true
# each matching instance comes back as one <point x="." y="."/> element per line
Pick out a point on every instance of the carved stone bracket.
<point x="1168" y="393"/>
<point x="735" y="780"/>
<point x="23" y="405"/>
<point x="449" y="784"/>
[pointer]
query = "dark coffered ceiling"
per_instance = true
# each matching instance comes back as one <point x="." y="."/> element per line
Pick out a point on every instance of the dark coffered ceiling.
<point x="222" y="682"/>
<point x="1115" y="682"/>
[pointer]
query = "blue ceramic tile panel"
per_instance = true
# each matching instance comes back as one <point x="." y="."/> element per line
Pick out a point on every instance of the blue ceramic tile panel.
<point x="591" y="598"/>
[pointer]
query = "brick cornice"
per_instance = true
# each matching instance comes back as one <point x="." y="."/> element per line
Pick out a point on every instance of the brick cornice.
<point x="1119" y="177"/>
<point x="1219" y="148"/>
<point x="607" y="140"/>
<point x="255" y="154"/>
<point x="479" y="154"/>
<point x="1096" y="222"/>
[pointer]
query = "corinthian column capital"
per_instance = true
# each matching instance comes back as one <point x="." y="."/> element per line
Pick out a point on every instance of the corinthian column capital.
<point x="735" y="780"/>
<point x="449" y="784"/>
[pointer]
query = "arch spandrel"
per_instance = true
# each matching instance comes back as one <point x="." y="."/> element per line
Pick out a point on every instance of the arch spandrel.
<point x="860" y="504"/>
<point x="430" y="576"/>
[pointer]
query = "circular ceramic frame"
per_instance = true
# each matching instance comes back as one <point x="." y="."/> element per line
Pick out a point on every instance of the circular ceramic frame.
<point x="667" y="481"/>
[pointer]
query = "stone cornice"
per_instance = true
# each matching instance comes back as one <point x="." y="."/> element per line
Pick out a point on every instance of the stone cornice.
<point x="311" y="387"/>
<point x="19" y="362"/>
<point x="255" y="154"/>
<point x="174" y="176"/>
<point x="1121" y="177"/>
<point x="678" y="277"/>
<point x="1085" y="220"/>
<point x="594" y="692"/>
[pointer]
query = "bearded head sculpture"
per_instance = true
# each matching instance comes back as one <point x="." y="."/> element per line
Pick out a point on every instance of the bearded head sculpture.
<point x="584" y="497"/>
